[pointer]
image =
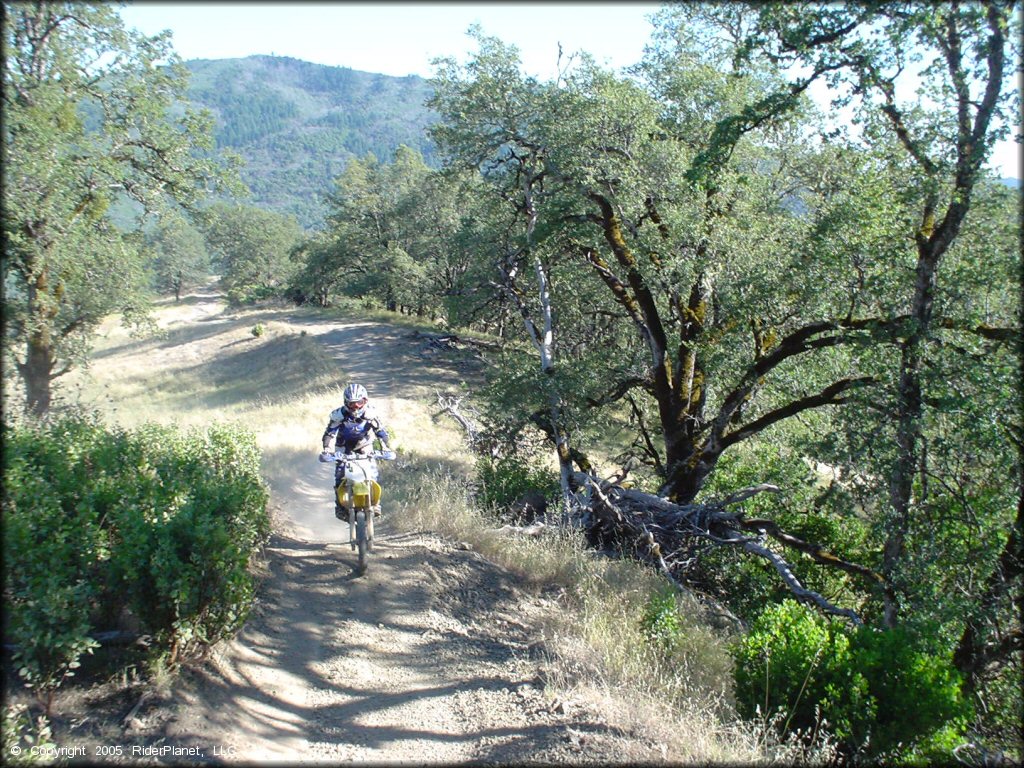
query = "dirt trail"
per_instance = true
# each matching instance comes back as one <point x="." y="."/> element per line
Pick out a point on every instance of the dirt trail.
<point x="432" y="656"/>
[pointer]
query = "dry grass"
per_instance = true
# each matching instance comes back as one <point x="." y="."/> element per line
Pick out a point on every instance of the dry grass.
<point x="596" y="648"/>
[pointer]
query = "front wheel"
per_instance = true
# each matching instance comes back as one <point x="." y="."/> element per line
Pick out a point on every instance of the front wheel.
<point x="361" y="538"/>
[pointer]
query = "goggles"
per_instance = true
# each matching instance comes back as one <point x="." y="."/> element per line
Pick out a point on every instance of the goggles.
<point x="354" y="404"/>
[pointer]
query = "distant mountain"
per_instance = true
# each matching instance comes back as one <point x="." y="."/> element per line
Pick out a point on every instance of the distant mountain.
<point x="297" y="124"/>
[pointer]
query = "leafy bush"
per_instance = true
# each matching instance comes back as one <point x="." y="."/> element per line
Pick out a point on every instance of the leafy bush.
<point x="879" y="694"/>
<point x="24" y="740"/>
<point x="661" y="622"/>
<point x="506" y="479"/>
<point x="247" y="295"/>
<point x="96" y="521"/>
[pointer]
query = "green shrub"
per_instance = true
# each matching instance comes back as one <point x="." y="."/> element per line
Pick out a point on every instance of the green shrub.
<point x="661" y="622"/>
<point x="878" y="693"/>
<point x="48" y="585"/>
<point x="247" y="295"/>
<point x="506" y="479"/>
<point x="154" y="521"/>
<point x="24" y="740"/>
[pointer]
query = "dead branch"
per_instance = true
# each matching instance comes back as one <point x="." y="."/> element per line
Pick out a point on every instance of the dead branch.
<point x="803" y="594"/>
<point x="659" y="532"/>
<point x="817" y="553"/>
<point x="535" y="529"/>
<point x="443" y="342"/>
<point x="452" y="405"/>
<point x="146" y="696"/>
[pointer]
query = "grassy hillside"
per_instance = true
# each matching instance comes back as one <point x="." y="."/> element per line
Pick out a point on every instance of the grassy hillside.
<point x="297" y="124"/>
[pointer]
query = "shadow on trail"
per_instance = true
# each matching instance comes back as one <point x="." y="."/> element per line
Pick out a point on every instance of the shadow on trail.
<point x="249" y="370"/>
<point x="382" y="357"/>
<point x="283" y="364"/>
<point x="191" y="300"/>
<point x="172" y="336"/>
<point x="308" y="667"/>
<point x="329" y="630"/>
<point x="331" y="645"/>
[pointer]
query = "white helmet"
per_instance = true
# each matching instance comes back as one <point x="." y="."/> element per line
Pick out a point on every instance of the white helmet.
<point x="355" y="399"/>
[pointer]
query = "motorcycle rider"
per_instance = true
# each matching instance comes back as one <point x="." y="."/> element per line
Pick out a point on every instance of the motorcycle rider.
<point x="352" y="428"/>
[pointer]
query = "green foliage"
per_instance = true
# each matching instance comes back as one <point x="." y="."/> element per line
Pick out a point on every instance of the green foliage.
<point x="258" y="330"/>
<point x="878" y="693"/>
<point x="160" y="523"/>
<point x="317" y="275"/>
<point x="390" y="241"/>
<point x="92" y="114"/>
<point x="805" y="491"/>
<point x="1001" y="707"/>
<point x="176" y="255"/>
<point x="253" y="247"/>
<point x="661" y="622"/>
<point x="19" y="734"/>
<point x="506" y="479"/>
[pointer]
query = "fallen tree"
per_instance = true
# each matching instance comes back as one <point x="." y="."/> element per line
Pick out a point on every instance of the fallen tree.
<point x="670" y="536"/>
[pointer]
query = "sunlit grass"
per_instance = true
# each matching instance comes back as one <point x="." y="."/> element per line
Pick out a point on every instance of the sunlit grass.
<point x="191" y="369"/>
<point x="596" y="648"/>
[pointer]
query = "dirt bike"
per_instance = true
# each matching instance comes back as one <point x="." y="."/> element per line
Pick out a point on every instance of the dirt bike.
<point x="359" y="493"/>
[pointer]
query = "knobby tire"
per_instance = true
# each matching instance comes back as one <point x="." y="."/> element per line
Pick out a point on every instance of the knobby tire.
<point x="361" y="540"/>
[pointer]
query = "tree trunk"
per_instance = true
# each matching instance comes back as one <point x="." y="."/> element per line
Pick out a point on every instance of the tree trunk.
<point x="691" y="470"/>
<point x="908" y="428"/>
<point x="972" y="653"/>
<point x="934" y="237"/>
<point x="40" y="356"/>
<point x="37" y="373"/>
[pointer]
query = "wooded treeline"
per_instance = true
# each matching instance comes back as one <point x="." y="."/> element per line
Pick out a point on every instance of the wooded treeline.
<point x="699" y="283"/>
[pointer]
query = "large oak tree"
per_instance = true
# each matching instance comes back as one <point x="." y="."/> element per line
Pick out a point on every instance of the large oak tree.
<point x="92" y="113"/>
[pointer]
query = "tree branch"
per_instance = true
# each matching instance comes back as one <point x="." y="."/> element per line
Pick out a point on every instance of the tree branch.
<point x="816" y="552"/>
<point x="803" y="594"/>
<point x="621" y="390"/>
<point x="649" y="446"/>
<point x="828" y="396"/>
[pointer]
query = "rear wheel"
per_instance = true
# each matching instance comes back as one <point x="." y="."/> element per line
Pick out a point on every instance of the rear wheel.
<point x="361" y="539"/>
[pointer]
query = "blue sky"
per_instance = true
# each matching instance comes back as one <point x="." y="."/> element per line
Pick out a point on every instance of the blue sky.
<point x="401" y="38"/>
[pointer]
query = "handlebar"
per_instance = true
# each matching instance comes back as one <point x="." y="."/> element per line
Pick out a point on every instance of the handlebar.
<point x="327" y="457"/>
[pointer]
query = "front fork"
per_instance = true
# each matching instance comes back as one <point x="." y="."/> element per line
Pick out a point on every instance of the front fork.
<point x="351" y="525"/>
<point x="351" y="510"/>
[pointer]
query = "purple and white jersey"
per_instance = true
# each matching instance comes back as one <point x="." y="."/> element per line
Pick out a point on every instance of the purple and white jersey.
<point x="354" y="434"/>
